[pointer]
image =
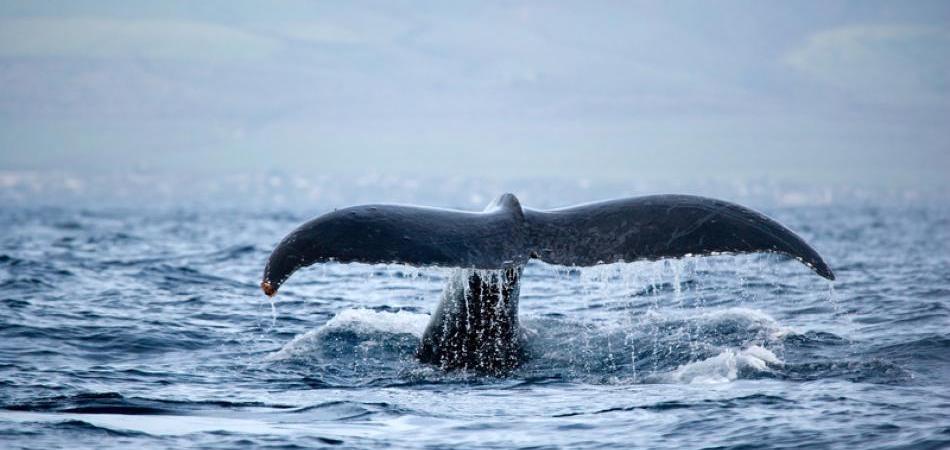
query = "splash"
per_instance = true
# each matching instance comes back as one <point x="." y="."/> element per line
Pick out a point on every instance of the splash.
<point x="368" y="321"/>
<point x="367" y="325"/>
<point x="724" y="367"/>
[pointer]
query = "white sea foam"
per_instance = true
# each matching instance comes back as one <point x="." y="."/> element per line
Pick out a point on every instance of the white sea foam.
<point x="360" y="321"/>
<point x="725" y="366"/>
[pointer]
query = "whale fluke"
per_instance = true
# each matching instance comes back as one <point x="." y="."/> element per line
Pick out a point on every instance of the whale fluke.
<point x="660" y="226"/>
<point x="414" y="235"/>
<point x="507" y="235"/>
<point x="475" y="326"/>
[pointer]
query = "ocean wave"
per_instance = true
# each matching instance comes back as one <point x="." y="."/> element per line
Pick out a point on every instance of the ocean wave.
<point x="150" y="320"/>
<point x="725" y="367"/>
<point x="350" y="410"/>
<point x="116" y="403"/>
<point x="360" y="327"/>
<point x="712" y="347"/>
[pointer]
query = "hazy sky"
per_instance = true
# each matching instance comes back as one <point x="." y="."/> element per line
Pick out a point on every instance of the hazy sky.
<point x="825" y="90"/>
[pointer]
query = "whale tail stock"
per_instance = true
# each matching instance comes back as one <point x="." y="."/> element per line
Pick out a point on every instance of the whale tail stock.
<point x="507" y="235"/>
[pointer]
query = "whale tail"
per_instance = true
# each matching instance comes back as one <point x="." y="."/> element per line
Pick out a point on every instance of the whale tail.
<point x="507" y="235"/>
<point x="661" y="226"/>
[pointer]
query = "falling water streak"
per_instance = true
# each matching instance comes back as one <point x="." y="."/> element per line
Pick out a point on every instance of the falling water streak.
<point x="679" y="268"/>
<point x="656" y="324"/>
<point x="633" y="359"/>
<point x="466" y="287"/>
<point x="836" y="307"/>
<point x="587" y="348"/>
<point x="610" y="356"/>
<point x="628" y="288"/>
<point x="676" y="267"/>
<point x="273" y="313"/>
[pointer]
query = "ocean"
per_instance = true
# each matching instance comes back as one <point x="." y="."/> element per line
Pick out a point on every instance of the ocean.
<point x="132" y="318"/>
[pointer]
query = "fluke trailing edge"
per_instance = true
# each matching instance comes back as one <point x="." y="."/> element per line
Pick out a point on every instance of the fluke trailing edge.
<point x="476" y="324"/>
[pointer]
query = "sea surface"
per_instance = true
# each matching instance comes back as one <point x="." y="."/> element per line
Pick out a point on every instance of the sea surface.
<point x="138" y="323"/>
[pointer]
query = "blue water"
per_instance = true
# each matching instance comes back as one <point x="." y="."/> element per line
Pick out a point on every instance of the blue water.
<point x="142" y="326"/>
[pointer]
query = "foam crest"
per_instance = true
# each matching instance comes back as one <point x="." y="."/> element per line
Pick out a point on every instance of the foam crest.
<point x="366" y="324"/>
<point x="725" y="366"/>
<point x="366" y="321"/>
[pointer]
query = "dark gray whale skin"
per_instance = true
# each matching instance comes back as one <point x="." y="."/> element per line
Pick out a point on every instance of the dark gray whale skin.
<point x="475" y="326"/>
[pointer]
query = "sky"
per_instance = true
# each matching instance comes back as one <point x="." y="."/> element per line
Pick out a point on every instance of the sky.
<point x="810" y="91"/>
